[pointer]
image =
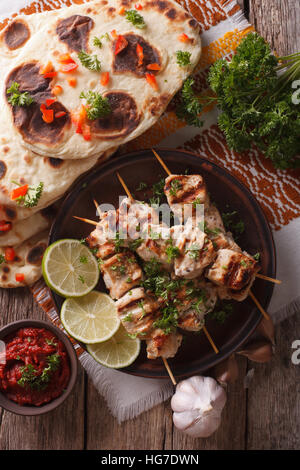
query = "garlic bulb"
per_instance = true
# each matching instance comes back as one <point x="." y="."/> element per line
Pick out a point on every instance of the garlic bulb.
<point x="197" y="405"/>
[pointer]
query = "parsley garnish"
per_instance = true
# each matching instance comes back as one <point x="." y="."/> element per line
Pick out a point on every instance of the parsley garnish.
<point x="172" y="251"/>
<point x="135" y="244"/>
<point x="17" y="98"/>
<point x="256" y="256"/>
<point x="221" y="312"/>
<point x="32" y="196"/>
<point x="99" y="107"/>
<point x="211" y="231"/>
<point x="183" y="58"/>
<point x="128" y="317"/>
<point x="81" y="279"/>
<point x="90" y="62"/>
<point x="168" y="320"/>
<point x="51" y="341"/>
<point x="141" y="186"/>
<point x="233" y="224"/>
<point x="189" y="106"/>
<point x="39" y="382"/>
<point x="175" y="186"/>
<point x="83" y="259"/>
<point x="97" y="41"/>
<point x="2" y="259"/>
<point x="158" y="193"/>
<point x="135" y="18"/>
<point x="194" y="251"/>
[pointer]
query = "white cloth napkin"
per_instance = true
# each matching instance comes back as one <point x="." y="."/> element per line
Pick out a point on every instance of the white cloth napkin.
<point x="126" y="395"/>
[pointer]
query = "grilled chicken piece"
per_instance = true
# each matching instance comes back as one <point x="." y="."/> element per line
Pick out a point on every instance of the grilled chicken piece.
<point x="190" y="321"/>
<point x="183" y="190"/>
<point x="232" y="269"/>
<point x="105" y="234"/>
<point x="213" y="219"/>
<point x="162" y="345"/>
<point x="121" y="273"/>
<point x="215" y="230"/>
<point x="135" y="217"/>
<point x="122" y="227"/>
<point x="196" y="250"/>
<point x="105" y="249"/>
<point x="197" y="305"/>
<point x="156" y="244"/>
<point x="138" y="311"/>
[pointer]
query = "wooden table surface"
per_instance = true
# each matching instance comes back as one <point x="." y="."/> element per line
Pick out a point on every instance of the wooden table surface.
<point x="264" y="416"/>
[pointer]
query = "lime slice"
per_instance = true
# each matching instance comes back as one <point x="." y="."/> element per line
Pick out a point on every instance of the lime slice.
<point x="69" y="268"/>
<point x="90" y="319"/>
<point x="117" y="352"/>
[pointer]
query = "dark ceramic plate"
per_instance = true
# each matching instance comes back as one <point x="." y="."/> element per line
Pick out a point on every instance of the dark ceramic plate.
<point x="195" y="355"/>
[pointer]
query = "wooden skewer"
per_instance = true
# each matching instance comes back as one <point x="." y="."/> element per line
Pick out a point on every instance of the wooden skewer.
<point x="210" y="340"/>
<point x="88" y="221"/>
<point x="161" y="162"/>
<point x="124" y="186"/>
<point x="262" y="311"/>
<point x="267" y="278"/>
<point x="96" y="205"/>
<point x="169" y="371"/>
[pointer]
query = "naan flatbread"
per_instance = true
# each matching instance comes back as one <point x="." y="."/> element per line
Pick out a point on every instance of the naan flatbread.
<point x="135" y="105"/>
<point x="20" y="165"/>
<point x="22" y="230"/>
<point x="27" y="262"/>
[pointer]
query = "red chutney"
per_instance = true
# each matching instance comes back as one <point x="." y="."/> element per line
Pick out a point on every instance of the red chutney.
<point x="37" y="367"/>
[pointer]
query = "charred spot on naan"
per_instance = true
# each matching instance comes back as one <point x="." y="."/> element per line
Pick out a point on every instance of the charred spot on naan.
<point x="3" y="169"/>
<point x="122" y="120"/>
<point x="54" y="162"/>
<point x="28" y="119"/>
<point x="9" y="212"/>
<point x="169" y="10"/>
<point x="158" y="103"/>
<point x="49" y="213"/>
<point x="16" y="34"/>
<point x="35" y="254"/>
<point x="74" y="32"/>
<point x="127" y="60"/>
<point x="193" y="23"/>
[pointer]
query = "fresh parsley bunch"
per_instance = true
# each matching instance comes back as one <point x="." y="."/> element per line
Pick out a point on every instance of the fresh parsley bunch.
<point x="256" y="101"/>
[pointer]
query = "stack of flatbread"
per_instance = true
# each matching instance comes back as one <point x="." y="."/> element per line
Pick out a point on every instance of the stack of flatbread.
<point x="75" y="84"/>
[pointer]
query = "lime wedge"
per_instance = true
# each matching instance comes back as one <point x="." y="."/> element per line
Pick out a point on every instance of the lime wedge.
<point x="90" y="319"/>
<point x="117" y="352"/>
<point x="69" y="268"/>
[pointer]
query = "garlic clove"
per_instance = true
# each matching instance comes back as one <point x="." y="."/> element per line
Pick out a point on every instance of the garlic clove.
<point x="197" y="405"/>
